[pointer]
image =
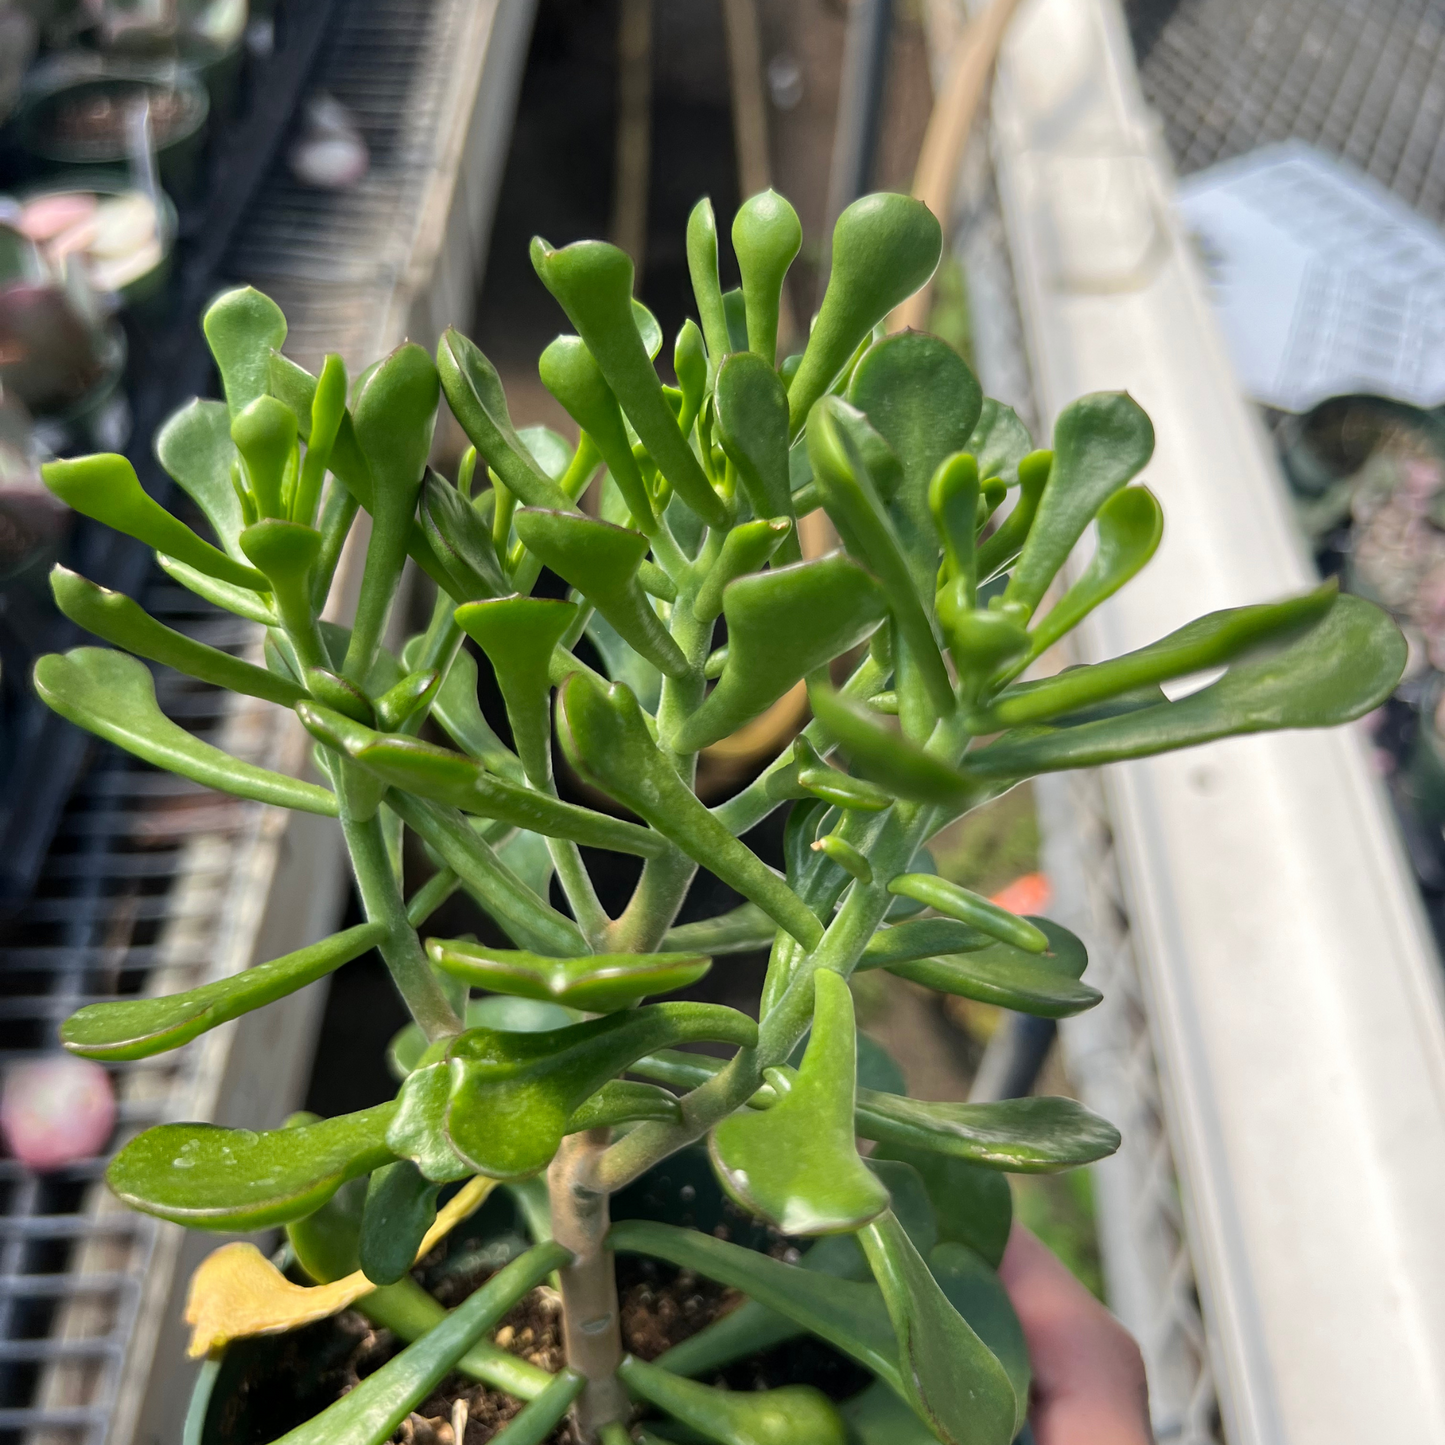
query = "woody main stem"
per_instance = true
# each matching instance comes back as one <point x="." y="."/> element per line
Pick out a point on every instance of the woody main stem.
<point x="591" y="1320"/>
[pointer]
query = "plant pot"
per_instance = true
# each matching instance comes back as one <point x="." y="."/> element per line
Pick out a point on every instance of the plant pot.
<point x="206" y="36"/>
<point x="227" y="1408"/>
<point x="75" y="114"/>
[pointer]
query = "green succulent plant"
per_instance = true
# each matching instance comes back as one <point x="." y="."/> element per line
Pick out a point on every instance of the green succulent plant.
<point x="571" y="1081"/>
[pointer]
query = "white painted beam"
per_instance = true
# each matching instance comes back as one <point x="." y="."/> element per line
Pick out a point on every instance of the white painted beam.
<point x="1294" y="989"/>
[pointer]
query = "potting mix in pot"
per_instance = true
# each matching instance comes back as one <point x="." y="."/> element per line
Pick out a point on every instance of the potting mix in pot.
<point x="570" y="1079"/>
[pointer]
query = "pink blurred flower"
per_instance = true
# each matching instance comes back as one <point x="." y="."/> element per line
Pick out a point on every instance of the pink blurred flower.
<point x="56" y="1110"/>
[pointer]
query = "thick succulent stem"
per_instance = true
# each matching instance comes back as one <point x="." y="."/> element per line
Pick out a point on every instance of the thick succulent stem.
<point x="382" y="902"/>
<point x="591" y="1320"/>
<point x="842" y="946"/>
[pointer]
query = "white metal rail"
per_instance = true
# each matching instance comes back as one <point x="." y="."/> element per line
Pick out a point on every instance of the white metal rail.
<point x="1293" y="990"/>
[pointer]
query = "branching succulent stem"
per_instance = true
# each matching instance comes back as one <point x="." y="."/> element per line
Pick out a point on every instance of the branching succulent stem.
<point x="786" y="1022"/>
<point x="591" y="1320"/>
<point x="382" y="902"/>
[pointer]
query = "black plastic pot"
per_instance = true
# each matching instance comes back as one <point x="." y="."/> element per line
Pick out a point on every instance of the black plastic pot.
<point x="228" y="1408"/>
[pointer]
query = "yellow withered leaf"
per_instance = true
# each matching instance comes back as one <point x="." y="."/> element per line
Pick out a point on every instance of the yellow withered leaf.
<point x="236" y="1291"/>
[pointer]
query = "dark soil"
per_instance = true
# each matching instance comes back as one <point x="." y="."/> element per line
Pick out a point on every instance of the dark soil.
<point x="661" y="1307"/>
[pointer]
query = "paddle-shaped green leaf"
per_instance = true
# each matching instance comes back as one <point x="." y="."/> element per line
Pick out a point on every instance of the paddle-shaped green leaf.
<point x="597" y="982"/>
<point x="797" y="1164"/>
<point x="853" y="503"/>
<point x="745" y="549"/>
<point x="1031" y="989"/>
<point x="298" y="388"/>
<point x="457" y="710"/>
<point x="1130" y="525"/>
<point x="394" y="418"/>
<point x="808" y="776"/>
<point x="999" y="973"/>
<point x="458" y="781"/>
<point x="286" y="552"/>
<point x="206" y="1177"/>
<point x="255" y="606"/>
<point x="474" y="393"/>
<point x="601" y="562"/>
<point x="1344" y="666"/>
<point x="371" y="1411"/>
<point x="400" y="1207"/>
<point x="518" y="634"/>
<point x="886" y="757"/>
<point x="971" y="1286"/>
<point x="996" y="553"/>
<point x="114" y="697"/>
<point x="752" y="425"/>
<point x="767" y="235"/>
<point x="784" y="1416"/>
<point x="511" y="1094"/>
<point x="877" y="1416"/>
<point x="845" y="1313"/>
<point x="570" y="372"/>
<point x="460" y="539"/>
<point x="972" y="1206"/>
<point x="950" y="1376"/>
<point x="1019" y="1136"/>
<point x="117" y="619"/>
<point x="751" y="1328"/>
<point x="967" y="907"/>
<point x="1209" y="641"/>
<point x="135" y="1028"/>
<point x="418" y="1129"/>
<point x="265" y="435"/>
<point x="953" y="497"/>
<point x="593" y="283"/>
<point x="782" y="624"/>
<point x="106" y="488"/>
<point x="845" y="855"/>
<point x="1101" y="441"/>
<point x="702" y="271"/>
<point x="1000" y="441"/>
<point x="243" y="327"/>
<point x="689" y="364"/>
<point x="622" y="1101"/>
<point x="923" y="400"/>
<point x="606" y="738"/>
<point x="195" y="448"/>
<point x="403" y="698"/>
<point x="885" y="247"/>
<point x="521" y="910"/>
<point x="922" y="938"/>
<point x="328" y="411"/>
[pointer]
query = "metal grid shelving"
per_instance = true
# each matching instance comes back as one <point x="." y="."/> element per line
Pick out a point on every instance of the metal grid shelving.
<point x="153" y="884"/>
<point x="1362" y="79"/>
<point x="138" y="894"/>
